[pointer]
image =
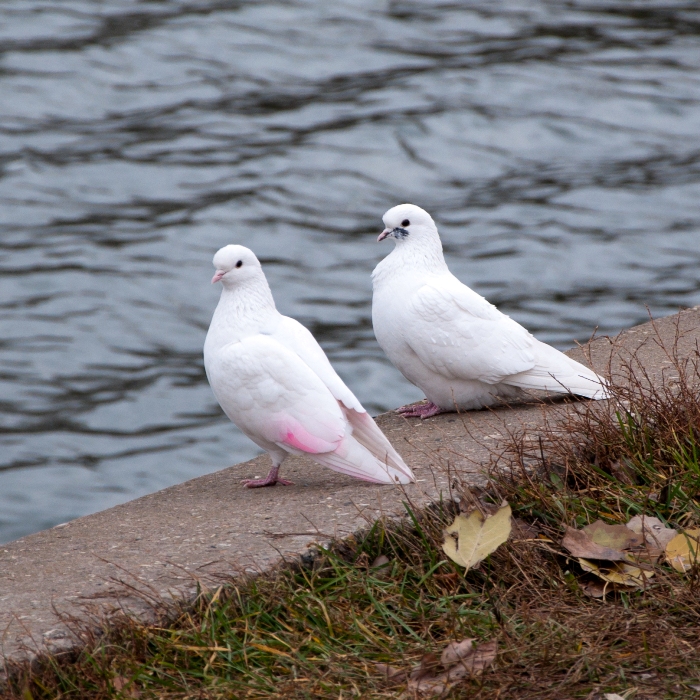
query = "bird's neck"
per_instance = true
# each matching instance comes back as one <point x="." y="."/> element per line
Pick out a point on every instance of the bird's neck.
<point x="243" y="311"/>
<point x="415" y="258"/>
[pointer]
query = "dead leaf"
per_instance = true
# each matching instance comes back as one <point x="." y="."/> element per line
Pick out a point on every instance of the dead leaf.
<point x="656" y="534"/>
<point x="380" y="562"/>
<point x="613" y="696"/>
<point x="614" y="536"/>
<point x="617" y="572"/>
<point x="477" y="537"/>
<point x="623" y="473"/>
<point x="427" y="667"/>
<point x="439" y="685"/>
<point x="455" y="652"/>
<point x="125" y="687"/>
<point x="469" y="661"/>
<point x="381" y="567"/>
<point x="682" y="551"/>
<point x="475" y="661"/>
<point x="391" y="673"/>
<point x="594" y="588"/>
<point x="579" y="544"/>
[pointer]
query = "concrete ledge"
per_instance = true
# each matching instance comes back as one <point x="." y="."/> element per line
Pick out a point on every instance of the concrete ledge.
<point x="210" y="526"/>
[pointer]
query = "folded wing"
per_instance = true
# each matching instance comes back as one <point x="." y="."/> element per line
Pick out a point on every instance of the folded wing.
<point x="274" y="396"/>
<point x="459" y="335"/>
<point x="301" y="341"/>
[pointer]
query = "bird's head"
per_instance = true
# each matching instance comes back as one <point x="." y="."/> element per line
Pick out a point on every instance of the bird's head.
<point x="235" y="264"/>
<point x="407" y="222"/>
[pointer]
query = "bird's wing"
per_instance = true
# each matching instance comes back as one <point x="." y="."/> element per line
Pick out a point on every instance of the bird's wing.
<point x="269" y="391"/>
<point x="300" y="340"/>
<point x="458" y="334"/>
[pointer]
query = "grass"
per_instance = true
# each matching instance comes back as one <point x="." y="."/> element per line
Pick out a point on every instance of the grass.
<point x="316" y="631"/>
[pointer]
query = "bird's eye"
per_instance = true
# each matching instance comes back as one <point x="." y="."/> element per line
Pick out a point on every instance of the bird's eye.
<point x="239" y="263"/>
<point x="405" y="223"/>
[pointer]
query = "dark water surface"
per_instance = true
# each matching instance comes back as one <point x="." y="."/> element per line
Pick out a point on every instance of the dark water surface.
<point x="557" y="145"/>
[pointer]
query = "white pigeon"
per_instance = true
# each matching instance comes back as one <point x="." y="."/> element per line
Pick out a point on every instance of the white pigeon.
<point x="274" y="381"/>
<point x="449" y="341"/>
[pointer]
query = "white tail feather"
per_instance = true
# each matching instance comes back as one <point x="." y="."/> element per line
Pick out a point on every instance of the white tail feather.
<point x="558" y="373"/>
<point x="368" y="434"/>
<point x="365" y="453"/>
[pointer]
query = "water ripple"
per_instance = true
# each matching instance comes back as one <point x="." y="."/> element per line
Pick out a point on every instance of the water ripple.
<point x="137" y="138"/>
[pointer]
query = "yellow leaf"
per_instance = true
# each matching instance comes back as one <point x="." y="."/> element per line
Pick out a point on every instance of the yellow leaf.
<point x="617" y="572"/>
<point x="682" y="550"/>
<point x="470" y="539"/>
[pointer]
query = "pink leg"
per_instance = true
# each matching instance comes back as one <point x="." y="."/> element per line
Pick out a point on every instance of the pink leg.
<point x="421" y="410"/>
<point x="270" y="480"/>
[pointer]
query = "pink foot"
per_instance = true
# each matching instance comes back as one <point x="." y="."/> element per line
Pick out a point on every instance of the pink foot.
<point x="421" y="410"/>
<point x="270" y="480"/>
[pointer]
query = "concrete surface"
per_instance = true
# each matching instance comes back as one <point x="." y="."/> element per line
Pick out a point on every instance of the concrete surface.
<point x="211" y="526"/>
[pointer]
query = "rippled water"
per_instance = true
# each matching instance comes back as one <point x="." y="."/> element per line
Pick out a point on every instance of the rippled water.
<point x="557" y="144"/>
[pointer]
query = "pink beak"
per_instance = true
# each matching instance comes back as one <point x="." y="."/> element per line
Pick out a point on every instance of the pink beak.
<point x="217" y="276"/>
<point x="384" y="234"/>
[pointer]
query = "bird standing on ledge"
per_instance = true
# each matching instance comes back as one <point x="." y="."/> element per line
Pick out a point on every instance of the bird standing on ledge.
<point x="449" y="341"/>
<point x="274" y="381"/>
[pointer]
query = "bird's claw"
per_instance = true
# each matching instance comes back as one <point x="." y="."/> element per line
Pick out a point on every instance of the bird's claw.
<point x="421" y="410"/>
<point x="259" y="483"/>
<point x="270" y="480"/>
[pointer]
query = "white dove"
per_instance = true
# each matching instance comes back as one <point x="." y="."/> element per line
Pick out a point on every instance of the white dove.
<point x="449" y="341"/>
<point x="274" y="381"/>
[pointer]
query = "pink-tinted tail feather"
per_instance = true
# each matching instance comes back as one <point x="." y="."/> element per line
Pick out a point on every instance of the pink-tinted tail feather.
<point x="365" y="453"/>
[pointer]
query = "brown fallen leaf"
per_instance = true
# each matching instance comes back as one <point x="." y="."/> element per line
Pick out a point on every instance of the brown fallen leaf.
<point x="474" y="662"/>
<point x="473" y="497"/>
<point x="427" y="667"/>
<point x="380" y="562"/>
<point x="613" y="536"/>
<point x="391" y="673"/>
<point x="682" y="552"/>
<point x="656" y="535"/>
<point x="623" y="473"/>
<point x="471" y="662"/>
<point x="469" y="540"/>
<point x="459" y="660"/>
<point x="435" y="686"/>
<point x="125" y="687"/>
<point x="595" y="588"/>
<point x="380" y="567"/>
<point x="579" y="544"/>
<point x="455" y="652"/>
